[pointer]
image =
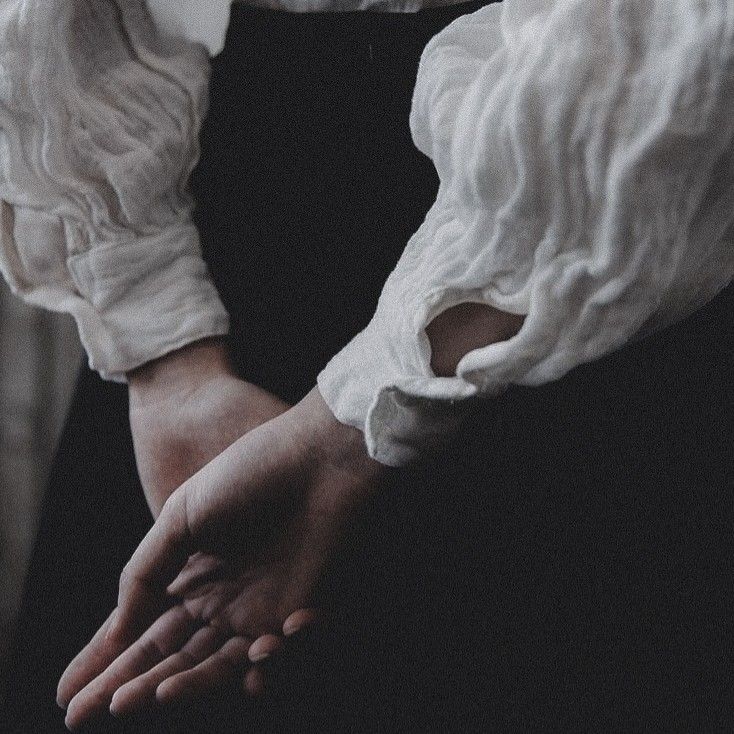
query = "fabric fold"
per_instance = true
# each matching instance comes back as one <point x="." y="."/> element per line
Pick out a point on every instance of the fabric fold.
<point x="584" y="149"/>
<point x="99" y="123"/>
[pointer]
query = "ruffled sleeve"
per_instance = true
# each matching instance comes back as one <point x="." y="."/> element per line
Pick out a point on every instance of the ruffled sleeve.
<point x="585" y="150"/>
<point x="99" y="124"/>
<point x="198" y="21"/>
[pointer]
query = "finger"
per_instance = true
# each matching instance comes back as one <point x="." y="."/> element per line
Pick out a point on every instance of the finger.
<point x="264" y="647"/>
<point x="200" y="567"/>
<point x="164" y="637"/>
<point x="156" y="562"/>
<point x="300" y="620"/>
<point x="89" y="663"/>
<point x="254" y="681"/>
<point x="140" y="691"/>
<point x="221" y="668"/>
<point x="268" y="646"/>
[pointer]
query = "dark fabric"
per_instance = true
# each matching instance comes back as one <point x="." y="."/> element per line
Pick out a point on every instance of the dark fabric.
<point x="567" y="566"/>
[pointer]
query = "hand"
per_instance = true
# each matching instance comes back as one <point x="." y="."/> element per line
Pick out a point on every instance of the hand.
<point x="185" y="409"/>
<point x="268" y="513"/>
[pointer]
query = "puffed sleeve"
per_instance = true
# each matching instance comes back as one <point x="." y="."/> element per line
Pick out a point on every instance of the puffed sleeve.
<point x="99" y="124"/>
<point x="585" y="150"/>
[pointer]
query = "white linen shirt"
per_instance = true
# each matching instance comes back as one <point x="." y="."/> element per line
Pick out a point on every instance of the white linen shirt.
<point x="585" y="150"/>
<point x="206" y="21"/>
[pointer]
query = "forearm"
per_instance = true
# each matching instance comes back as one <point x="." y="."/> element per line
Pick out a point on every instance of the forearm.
<point x="464" y="328"/>
<point x="191" y="366"/>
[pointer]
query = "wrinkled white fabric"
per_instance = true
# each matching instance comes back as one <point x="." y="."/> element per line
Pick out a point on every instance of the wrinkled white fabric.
<point x="99" y="123"/>
<point x="585" y="151"/>
<point x="586" y="156"/>
<point x="198" y="21"/>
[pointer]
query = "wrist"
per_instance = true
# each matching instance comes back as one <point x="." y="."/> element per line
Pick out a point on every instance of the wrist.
<point x="180" y="371"/>
<point x="336" y="444"/>
<point x="464" y="328"/>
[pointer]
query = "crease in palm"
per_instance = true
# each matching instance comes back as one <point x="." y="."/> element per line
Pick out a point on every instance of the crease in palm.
<point x="258" y="523"/>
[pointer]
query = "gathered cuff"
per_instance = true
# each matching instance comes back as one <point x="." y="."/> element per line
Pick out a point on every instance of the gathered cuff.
<point x="382" y="383"/>
<point x="142" y="299"/>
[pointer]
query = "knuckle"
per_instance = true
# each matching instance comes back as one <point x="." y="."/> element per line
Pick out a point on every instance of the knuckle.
<point x="234" y="653"/>
<point x="124" y="574"/>
<point x="152" y="650"/>
<point x="186" y="659"/>
<point x="174" y="516"/>
<point x="127" y="578"/>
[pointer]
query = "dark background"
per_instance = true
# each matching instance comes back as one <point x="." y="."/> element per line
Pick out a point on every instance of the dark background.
<point x="566" y="566"/>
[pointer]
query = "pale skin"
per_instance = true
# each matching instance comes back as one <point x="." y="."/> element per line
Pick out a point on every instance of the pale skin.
<point x="255" y="498"/>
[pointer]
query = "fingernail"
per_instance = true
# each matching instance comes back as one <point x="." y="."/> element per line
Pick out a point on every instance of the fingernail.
<point x="291" y="629"/>
<point x="163" y="694"/>
<point x="259" y="657"/>
<point x="114" y="708"/>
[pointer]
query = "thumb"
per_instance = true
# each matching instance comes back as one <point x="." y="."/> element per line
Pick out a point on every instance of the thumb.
<point x="157" y="561"/>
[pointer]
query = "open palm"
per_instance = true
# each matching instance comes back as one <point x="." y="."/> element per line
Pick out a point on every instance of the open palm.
<point x="264" y="518"/>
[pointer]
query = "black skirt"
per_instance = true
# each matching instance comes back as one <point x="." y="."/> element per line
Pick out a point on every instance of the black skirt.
<point x="565" y="566"/>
